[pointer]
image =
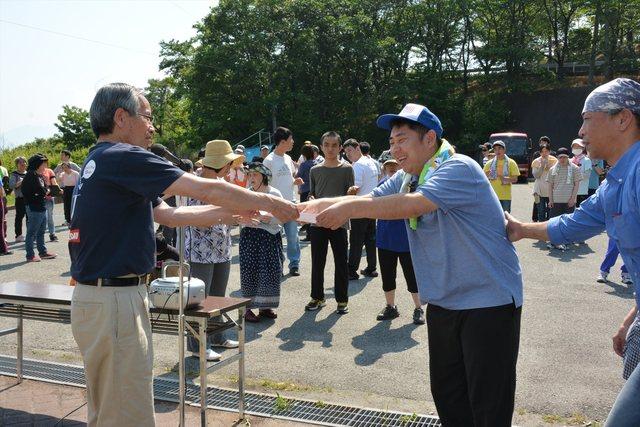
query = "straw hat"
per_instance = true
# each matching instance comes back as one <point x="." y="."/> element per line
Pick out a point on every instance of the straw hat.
<point x="218" y="153"/>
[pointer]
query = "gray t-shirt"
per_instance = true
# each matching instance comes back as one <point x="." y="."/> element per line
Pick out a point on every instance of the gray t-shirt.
<point x="330" y="182"/>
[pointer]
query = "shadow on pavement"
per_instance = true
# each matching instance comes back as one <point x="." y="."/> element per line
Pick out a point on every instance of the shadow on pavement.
<point x="12" y="265"/>
<point x="620" y="290"/>
<point x="308" y="329"/>
<point x="380" y="340"/>
<point x="573" y="252"/>
<point x="9" y="417"/>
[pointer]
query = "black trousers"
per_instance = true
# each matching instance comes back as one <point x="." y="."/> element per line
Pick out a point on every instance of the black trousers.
<point x="320" y="239"/>
<point x="560" y="209"/>
<point x="388" y="269"/>
<point x="472" y="363"/>
<point x="363" y="231"/>
<point x="67" y="196"/>
<point x="21" y="212"/>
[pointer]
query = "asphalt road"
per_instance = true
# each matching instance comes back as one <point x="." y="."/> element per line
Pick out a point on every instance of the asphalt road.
<point x="567" y="370"/>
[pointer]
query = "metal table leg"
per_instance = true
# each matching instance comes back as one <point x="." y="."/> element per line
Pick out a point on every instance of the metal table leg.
<point x="20" y="343"/>
<point x="202" y="333"/>
<point x="241" y="312"/>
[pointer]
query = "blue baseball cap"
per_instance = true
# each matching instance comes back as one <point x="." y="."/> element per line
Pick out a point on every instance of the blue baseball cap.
<point x="414" y="113"/>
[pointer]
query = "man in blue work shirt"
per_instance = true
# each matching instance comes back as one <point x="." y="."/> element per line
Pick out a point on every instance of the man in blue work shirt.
<point x="467" y="270"/>
<point x="610" y="131"/>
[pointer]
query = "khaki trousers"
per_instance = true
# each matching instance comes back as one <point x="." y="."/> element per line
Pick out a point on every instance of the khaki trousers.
<point x="112" y="329"/>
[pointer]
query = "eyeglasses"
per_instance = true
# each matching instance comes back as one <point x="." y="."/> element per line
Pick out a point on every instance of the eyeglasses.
<point x="148" y="117"/>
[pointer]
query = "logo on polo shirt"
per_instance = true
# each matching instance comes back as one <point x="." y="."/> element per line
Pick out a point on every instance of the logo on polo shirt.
<point x="89" y="169"/>
<point x="74" y="236"/>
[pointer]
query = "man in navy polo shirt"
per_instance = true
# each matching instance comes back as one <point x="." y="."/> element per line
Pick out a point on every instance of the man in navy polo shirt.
<point x="112" y="248"/>
<point x="468" y="274"/>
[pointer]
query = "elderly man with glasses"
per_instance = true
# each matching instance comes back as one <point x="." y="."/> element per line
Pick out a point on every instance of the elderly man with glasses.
<point x="112" y="248"/>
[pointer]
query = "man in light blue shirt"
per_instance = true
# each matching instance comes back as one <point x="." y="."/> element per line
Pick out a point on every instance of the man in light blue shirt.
<point x="466" y="268"/>
<point x="611" y="131"/>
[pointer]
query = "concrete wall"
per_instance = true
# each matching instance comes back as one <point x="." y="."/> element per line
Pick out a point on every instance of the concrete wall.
<point x="554" y="113"/>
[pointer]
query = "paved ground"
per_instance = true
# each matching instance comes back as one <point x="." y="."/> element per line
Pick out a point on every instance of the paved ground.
<point x="39" y="404"/>
<point x="567" y="370"/>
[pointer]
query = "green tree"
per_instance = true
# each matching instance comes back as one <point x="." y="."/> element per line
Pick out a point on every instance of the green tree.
<point x="75" y="128"/>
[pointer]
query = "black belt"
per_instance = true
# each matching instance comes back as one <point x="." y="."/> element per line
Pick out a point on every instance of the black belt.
<point x="117" y="281"/>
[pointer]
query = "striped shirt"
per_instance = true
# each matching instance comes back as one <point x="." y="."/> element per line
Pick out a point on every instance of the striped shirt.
<point x="562" y="190"/>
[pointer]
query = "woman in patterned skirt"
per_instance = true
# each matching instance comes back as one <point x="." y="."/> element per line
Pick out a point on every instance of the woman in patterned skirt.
<point x="261" y="255"/>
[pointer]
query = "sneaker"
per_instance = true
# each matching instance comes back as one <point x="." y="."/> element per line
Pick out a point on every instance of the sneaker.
<point x="53" y="238"/>
<point x="34" y="258"/>
<point x="315" y="304"/>
<point x="6" y="253"/>
<point x="294" y="271"/>
<point x="550" y="246"/>
<point x="369" y="273"/>
<point x="268" y="313"/>
<point x="48" y="256"/>
<point x="228" y="344"/>
<point x="418" y="317"/>
<point x="20" y="238"/>
<point x="354" y="276"/>
<point x="388" y="312"/>
<point x="561" y="247"/>
<point x="210" y="355"/>
<point x="250" y="317"/>
<point x="626" y="279"/>
<point x="602" y="278"/>
<point x="342" y="308"/>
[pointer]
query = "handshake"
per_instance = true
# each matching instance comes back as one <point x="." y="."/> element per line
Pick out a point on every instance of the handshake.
<point x="328" y="212"/>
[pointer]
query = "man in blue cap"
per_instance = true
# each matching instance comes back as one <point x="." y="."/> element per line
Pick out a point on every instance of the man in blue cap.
<point x="467" y="270"/>
<point x="610" y="131"/>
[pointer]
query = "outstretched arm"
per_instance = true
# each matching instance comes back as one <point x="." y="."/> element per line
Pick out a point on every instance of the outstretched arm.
<point x="200" y="216"/>
<point x="517" y="230"/>
<point x="233" y="197"/>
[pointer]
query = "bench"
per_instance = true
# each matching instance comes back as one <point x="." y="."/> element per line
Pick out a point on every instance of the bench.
<point x="52" y="303"/>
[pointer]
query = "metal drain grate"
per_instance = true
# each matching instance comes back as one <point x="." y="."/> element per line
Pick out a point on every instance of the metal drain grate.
<point x="166" y="389"/>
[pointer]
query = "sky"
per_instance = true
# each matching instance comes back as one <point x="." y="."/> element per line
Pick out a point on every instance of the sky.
<point x="58" y="52"/>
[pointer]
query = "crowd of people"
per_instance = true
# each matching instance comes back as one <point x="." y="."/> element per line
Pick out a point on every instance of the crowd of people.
<point x="419" y="207"/>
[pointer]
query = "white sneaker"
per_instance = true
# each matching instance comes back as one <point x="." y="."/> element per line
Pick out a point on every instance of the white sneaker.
<point x="211" y="355"/>
<point x="228" y="344"/>
<point x="602" y="278"/>
<point x="20" y="238"/>
<point x="626" y="279"/>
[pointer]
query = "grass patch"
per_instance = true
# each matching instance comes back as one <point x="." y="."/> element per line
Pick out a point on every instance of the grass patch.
<point x="575" y="419"/>
<point x="274" y="385"/>
<point x="406" y="419"/>
<point x="282" y="404"/>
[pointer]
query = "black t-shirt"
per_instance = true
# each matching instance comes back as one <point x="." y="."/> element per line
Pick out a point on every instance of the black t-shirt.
<point x="34" y="191"/>
<point x="111" y="232"/>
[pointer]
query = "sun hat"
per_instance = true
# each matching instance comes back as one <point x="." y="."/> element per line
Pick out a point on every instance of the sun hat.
<point x="218" y="153"/>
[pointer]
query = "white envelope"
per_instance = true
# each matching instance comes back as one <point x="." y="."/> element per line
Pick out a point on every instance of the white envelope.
<point x="307" y="217"/>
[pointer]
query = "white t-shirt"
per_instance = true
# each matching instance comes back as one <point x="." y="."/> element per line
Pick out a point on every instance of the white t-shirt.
<point x="585" y="167"/>
<point x="282" y="170"/>
<point x="365" y="173"/>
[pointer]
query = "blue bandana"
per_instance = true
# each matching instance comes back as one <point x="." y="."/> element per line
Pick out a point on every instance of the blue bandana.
<point x="615" y="95"/>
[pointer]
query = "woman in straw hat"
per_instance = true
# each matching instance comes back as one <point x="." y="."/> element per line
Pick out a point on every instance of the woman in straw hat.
<point x="208" y="249"/>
